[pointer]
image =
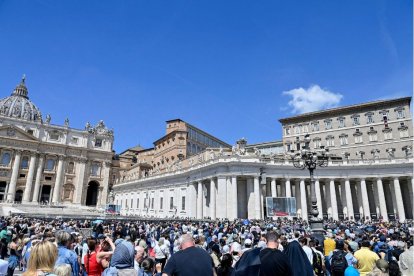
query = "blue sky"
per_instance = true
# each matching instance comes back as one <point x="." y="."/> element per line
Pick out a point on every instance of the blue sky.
<point x="232" y="68"/>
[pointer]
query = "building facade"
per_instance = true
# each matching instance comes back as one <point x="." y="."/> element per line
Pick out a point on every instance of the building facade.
<point x="233" y="183"/>
<point x="51" y="164"/>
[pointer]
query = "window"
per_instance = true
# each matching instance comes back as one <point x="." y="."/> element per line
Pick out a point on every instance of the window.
<point x="343" y="140"/>
<point x="137" y="203"/>
<point x="330" y="141"/>
<point x="25" y="162"/>
<point x="152" y="203"/>
<point x="328" y="124"/>
<point x="387" y="134"/>
<point x="404" y="132"/>
<point x="341" y="122"/>
<point x="5" y="159"/>
<point x="98" y="143"/>
<point x="54" y="136"/>
<point x="132" y="203"/>
<point x="358" y="139"/>
<point x="297" y="130"/>
<point x="70" y="168"/>
<point x="161" y="203"/>
<point x="183" y="203"/>
<point x="317" y="143"/>
<point x="305" y="129"/>
<point x="30" y="131"/>
<point x="315" y="126"/>
<point x="75" y="140"/>
<point x="288" y="147"/>
<point x="370" y="118"/>
<point x="373" y="137"/>
<point x="171" y="203"/>
<point x="95" y="169"/>
<point x="50" y="165"/>
<point x="400" y="113"/>
<point x="355" y="120"/>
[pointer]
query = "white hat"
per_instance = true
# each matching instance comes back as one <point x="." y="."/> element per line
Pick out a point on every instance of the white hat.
<point x="236" y="247"/>
<point x="247" y="241"/>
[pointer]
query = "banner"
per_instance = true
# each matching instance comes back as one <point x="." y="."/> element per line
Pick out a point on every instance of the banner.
<point x="112" y="209"/>
<point x="281" y="206"/>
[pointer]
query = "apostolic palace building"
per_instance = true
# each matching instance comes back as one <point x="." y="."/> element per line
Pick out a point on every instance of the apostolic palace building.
<point x="191" y="173"/>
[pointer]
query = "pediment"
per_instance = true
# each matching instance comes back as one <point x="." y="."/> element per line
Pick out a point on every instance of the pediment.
<point x="10" y="131"/>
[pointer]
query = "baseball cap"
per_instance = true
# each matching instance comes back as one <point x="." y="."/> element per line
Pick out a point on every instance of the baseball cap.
<point x="247" y="241"/>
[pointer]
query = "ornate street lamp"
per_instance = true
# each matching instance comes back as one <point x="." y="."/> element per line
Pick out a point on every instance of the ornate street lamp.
<point x="307" y="159"/>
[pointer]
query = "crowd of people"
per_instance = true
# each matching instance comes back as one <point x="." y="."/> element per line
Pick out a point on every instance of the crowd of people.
<point x="71" y="247"/>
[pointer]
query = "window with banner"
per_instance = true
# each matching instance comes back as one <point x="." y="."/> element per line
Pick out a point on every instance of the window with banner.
<point x="281" y="206"/>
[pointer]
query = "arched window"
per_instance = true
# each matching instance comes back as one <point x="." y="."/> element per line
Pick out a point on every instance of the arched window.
<point x="5" y="159"/>
<point x="25" y="162"/>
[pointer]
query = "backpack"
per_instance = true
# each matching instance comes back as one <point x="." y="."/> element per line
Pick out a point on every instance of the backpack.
<point x="317" y="263"/>
<point x="338" y="262"/>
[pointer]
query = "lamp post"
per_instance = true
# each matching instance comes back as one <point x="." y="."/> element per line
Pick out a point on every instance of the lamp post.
<point x="307" y="159"/>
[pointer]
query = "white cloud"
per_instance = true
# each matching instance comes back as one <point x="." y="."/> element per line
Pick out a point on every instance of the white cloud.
<point x="312" y="99"/>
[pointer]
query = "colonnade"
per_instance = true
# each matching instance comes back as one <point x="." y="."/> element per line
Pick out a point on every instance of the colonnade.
<point x="337" y="198"/>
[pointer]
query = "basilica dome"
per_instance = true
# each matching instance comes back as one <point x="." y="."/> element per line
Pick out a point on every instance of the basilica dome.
<point x="18" y="105"/>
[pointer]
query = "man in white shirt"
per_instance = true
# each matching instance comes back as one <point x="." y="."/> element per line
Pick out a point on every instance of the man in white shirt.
<point x="304" y="242"/>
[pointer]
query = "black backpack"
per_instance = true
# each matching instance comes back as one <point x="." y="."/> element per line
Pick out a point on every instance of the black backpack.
<point x="317" y="263"/>
<point x="338" y="262"/>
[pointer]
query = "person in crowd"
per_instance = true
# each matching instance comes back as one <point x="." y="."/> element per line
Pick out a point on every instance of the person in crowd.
<point x="366" y="258"/>
<point x="65" y="254"/>
<point x="63" y="270"/>
<point x="318" y="262"/>
<point x="272" y="260"/>
<point x="122" y="261"/>
<point x="149" y="268"/>
<point x="340" y="259"/>
<point x="406" y="261"/>
<point x="140" y="255"/>
<point x="298" y="259"/>
<point x="201" y="263"/>
<point x="308" y="251"/>
<point x="42" y="259"/>
<point x="225" y="268"/>
<point x="215" y="255"/>
<point x="92" y="267"/>
<point x="161" y="252"/>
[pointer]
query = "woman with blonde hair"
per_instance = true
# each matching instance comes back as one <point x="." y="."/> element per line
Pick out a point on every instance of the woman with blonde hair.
<point x="42" y="259"/>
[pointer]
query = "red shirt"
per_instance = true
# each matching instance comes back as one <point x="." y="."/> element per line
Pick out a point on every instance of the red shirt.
<point x="91" y="265"/>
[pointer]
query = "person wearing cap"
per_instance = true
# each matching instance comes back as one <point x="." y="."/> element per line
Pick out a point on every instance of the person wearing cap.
<point x="247" y="245"/>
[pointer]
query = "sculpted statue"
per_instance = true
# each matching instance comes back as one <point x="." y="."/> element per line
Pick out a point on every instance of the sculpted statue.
<point x="221" y="151"/>
<point x="257" y="152"/>
<point x="48" y="119"/>
<point x="212" y="155"/>
<point x="66" y="122"/>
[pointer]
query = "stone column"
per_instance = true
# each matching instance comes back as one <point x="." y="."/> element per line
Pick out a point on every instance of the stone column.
<point x="303" y="201"/>
<point x="334" y="204"/>
<point x="365" y="200"/>
<point x="105" y="183"/>
<point x="348" y="195"/>
<point x="221" y="197"/>
<point x="412" y="195"/>
<point x="273" y="187"/>
<point x="192" y="204"/>
<point x="251" y="212"/>
<point x="80" y="178"/>
<point x="29" y="180"/>
<point x="212" y="199"/>
<point x="15" y="173"/>
<point x="199" y="200"/>
<point x="381" y="199"/>
<point x="318" y="198"/>
<point x="39" y="174"/>
<point x="234" y="196"/>
<point x="399" y="199"/>
<point x="257" y="197"/>
<point x="58" y="183"/>
<point x="288" y="188"/>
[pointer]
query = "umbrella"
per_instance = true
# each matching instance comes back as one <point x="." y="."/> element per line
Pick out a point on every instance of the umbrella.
<point x="246" y="222"/>
<point x="97" y="221"/>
